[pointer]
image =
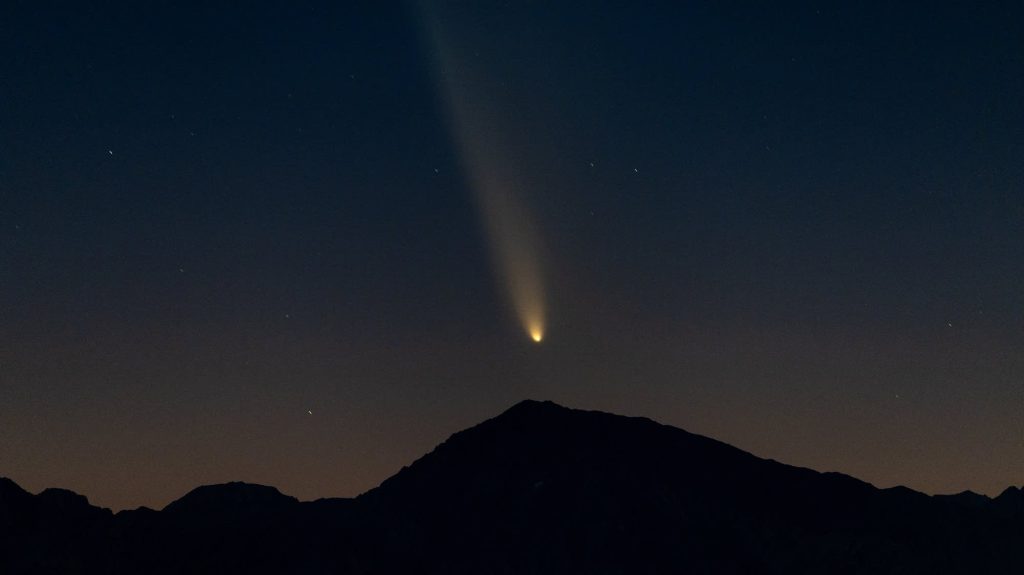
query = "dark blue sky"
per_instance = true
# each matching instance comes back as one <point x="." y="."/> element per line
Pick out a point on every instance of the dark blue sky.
<point x="795" y="227"/>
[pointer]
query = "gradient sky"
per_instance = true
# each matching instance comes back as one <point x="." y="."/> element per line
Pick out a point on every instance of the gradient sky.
<point x="242" y="243"/>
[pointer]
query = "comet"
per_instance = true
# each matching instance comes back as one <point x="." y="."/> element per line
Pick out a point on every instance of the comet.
<point x="482" y="131"/>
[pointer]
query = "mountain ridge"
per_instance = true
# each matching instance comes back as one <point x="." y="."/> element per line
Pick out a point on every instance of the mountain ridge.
<point x="539" y="488"/>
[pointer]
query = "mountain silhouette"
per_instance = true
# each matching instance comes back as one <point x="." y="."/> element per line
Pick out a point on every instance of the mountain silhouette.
<point x="539" y="489"/>
<point x="230" y="499"/>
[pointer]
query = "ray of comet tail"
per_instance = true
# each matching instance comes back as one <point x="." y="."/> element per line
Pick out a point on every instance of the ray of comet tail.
<point x="483" y="137"/>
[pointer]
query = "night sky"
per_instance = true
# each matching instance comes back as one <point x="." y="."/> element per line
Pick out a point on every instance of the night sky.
<point x="289" y="244"/>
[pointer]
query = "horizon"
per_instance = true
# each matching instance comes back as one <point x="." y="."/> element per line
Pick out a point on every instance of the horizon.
<point x="519" y="403"/>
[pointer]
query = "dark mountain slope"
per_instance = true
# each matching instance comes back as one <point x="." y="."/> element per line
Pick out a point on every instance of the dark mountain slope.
<point x="56" y="531"/>
<point x="230" y="499"/>
<point x="553" y="489"/>
<point x="538" y="489"/>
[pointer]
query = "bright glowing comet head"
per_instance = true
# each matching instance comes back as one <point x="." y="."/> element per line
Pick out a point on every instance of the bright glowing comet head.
<point x="537" y="334"/>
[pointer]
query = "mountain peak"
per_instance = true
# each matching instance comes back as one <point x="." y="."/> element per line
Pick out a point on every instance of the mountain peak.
<point x="535" y="406"/>
<point x="63" y="498"/>
<point x="9" y="486"/>
<point x="232" y="497"/>
<point x="1011" y="491"/>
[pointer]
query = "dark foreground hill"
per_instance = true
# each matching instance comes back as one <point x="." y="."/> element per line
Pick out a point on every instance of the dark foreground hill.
<point x="538" y="489"/>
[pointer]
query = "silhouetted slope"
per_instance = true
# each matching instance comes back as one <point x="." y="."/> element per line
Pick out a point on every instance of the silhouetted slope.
<point x="241" y="528"/>
<point x="56" y="531"/>
<point x="544" y="487"/>
<point x="230" y="499"/>
<point x="967" y="499"/>
<point x="1010" y="502"/>
<point x="538" y="489"/>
